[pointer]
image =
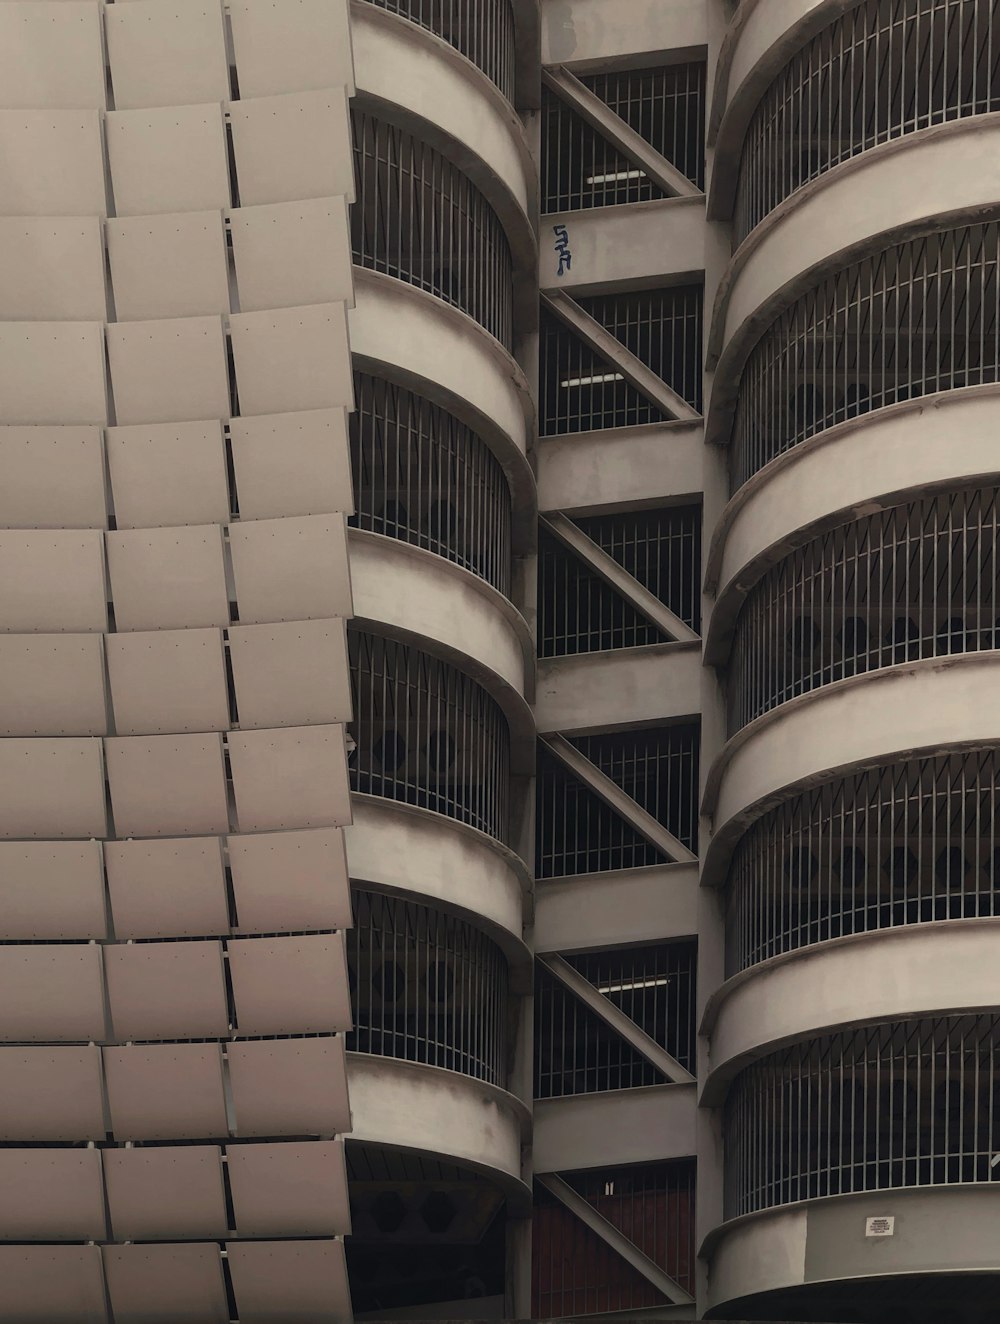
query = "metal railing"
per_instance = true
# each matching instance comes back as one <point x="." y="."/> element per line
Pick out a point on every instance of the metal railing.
<point x="580" y="168"/>
<point x="580" y="391"/>
<point x="881" y="70"/>
<point x="576" y="832"/>
<point x="914" y="581"/>
<point x="905" y="843"/>
<point x="418" y="218"/>
<point x="483" y="30"/>
<point x="911" y="320"/>
<point x="427" y="734"/>
<point x="904" y="1104"/>
<point x="576" y="1052"/>
<point x="579" y="612"/>
<point x="576" y="1272"/>
<point x="426" y="987"/>
<point x="424" y="477"/>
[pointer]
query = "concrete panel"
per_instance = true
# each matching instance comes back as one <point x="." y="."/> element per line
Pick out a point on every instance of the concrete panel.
<point x="166" y="990"/>
<point x="52" y="788"/>
<point x="293" y="146"/>
<point x="53" y="478"/>
<point x="292" y="464"/>
<point x="654" y="1122"/>
<point x="577" y="31"/>
<point x="291" y="569"/>
<point x="51" y="164"/>
<point x="294" y="985"/>
<point x="52" y="580"/>
<point x="288" y="1189"/>
<point x="169" y="371"/>
<point x="168" y="160"/>
<point x="168" y="681"/>
<point x="290" y="880"/>
<point x="437" y="859"/>
<point x="52" y="372"/>
<point x="167" y="55"/>
<point x="758" y="1255"/>
<point x="168" y="888"/>
<point x="642" y="245"/>
<point x="51" y="993"/>
<point x="168" y="266"/>
<point x="166" y="1091"/>
<point x="593" y="691"/>
<point x="167" y="786"/>
<point x="166" y="1284"/>
<point x="51" y="890"/>
<point x="52" y="1285"/>
<point x="164" y="579"/>
<point x="923" y="969"/>
<point x="608" y="910"/>
<point x="292" y="253"/>
<point x="425" y="1108"/>
<point x="168" y="473"/>
<point x="51" y="1093"/>
<point x="289" y="1087"/>
<point x="294" y="673"/>
<point x="298" y="48"/>
<point x="274" y="1281"/>
<point x="51" y="267"/>
<point x="162" y="1191"/>
<point x="581" y="473"/>
<point x="51" y="58"/>
<point x="52" y="685"/>
<point x="292" y="358"/>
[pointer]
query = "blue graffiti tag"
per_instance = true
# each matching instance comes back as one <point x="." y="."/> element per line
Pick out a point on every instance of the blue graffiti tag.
<point x="562" y="248"/>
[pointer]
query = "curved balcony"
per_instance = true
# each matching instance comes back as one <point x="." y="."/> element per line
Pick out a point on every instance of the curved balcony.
<point x="424" y="477"/>
<point x="426" y="987"/>
<point x="876" y="73"/>
<point x="420" y="219"/>
<point x="428" y="735"/>
<point x="482" y="30"/>
<point x="912" y="582"/>
<point x="909" y="842"/>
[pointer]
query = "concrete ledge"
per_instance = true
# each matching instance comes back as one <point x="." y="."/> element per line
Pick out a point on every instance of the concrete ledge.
<point x="620" y="1126"/>
<point x="592" y="31"/>
<point x="614" y="909"/>
<point x="585" y="473"/>
<point x="597" y="691"/>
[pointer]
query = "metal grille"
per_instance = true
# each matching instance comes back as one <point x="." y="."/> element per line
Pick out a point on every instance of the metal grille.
<point x="913" y="581"/>
<point x="662" y="328"/>
<point x="483" y="30"/>
<point x="426" y="987"/>
<point x="576" y="832"/>
<point x="418" y="218"/>
<point x="579" y="391"/>
<point x="665" y="106"/>
<point x="424" y="477"/>
<point x="912" y="1103"/>
<point x="880" y="71"/>
<point x="906" y="843"/>
<point x="580" y="168"/>
<point x="659" y="548"/>
<point x="914" y="319"/>
<point x="427" y="734"/>
<point x="654" y="986"/>
<point x="579" y="612"/>
<point x="575" y="1272"/>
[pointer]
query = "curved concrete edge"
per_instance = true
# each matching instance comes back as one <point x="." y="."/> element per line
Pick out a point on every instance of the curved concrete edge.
<point x="762" y="37"/>
<point x="405" y="1105"/>
<point x="452" y="104"/>
<point x="941" y="1229"/>
<point x="940" y="177"/>
<point x="424" y="856"/>
<point x="431" y="600"/>
<point x="929" y="969"/>
<point x="847" y="472"/>
<point x="912" y="710"/>
<point x="416" y="339"/>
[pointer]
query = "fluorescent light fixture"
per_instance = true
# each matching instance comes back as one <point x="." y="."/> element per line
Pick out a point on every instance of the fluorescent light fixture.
<point x="655" y="981"/>
<point x="594" y="379"/>
<point x="615" y="176"/>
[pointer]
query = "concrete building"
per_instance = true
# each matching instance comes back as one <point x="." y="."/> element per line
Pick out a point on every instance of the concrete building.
<point x="499" y="743"/>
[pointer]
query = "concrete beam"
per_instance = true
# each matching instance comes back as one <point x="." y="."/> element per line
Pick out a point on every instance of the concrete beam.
<point x="590" y="473"/>
<point x="614" y="1017"/>
<point x="634" y="814"/>
<point x="618" y="1242"/>
<point x="616" y="1127"/>
<point x="619" y="688"/>
<point x="612" y="127"/>
<point x="647" y="904"/>
<point x="631" y="368"/>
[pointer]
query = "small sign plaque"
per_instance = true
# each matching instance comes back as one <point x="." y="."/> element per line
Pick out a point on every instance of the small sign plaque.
<point x="883" y="1226"/>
